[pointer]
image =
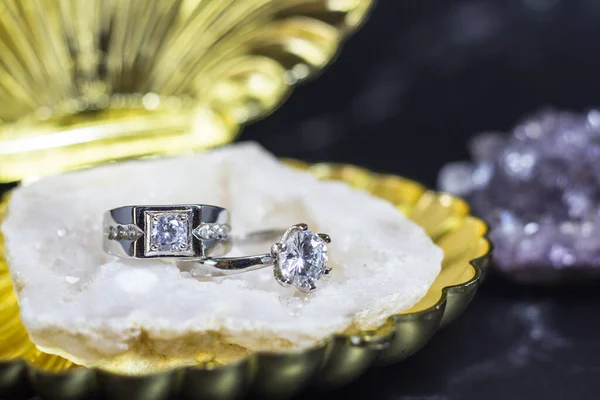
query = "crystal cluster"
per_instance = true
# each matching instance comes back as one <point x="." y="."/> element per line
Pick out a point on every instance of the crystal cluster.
<point x="539" y="189"/>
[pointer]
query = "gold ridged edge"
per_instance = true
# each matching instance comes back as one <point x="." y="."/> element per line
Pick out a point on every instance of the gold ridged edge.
<point x="338" y="360"/>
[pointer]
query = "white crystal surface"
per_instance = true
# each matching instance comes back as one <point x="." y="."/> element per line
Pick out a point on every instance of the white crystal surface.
<point x="81" y="303"/>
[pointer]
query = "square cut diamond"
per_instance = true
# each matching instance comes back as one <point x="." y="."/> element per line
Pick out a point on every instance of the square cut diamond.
<point x="168" y="233"/>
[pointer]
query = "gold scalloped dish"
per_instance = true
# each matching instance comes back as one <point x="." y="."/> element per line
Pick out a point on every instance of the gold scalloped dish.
<point x="338" y="360"/>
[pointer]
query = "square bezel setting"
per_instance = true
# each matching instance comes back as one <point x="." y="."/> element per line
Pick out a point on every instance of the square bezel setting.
<point x="168" y="233"/>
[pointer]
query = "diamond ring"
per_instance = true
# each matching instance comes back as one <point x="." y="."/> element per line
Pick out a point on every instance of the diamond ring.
<point x="187" y="231"/>
<point x="298" y="259"/>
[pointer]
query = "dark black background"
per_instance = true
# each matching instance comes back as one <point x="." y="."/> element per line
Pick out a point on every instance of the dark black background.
<point x="405" y="94"/>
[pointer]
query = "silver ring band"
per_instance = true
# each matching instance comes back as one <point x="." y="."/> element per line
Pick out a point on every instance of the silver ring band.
<point x="183" y="231"/>
<point x="298" y="259"/>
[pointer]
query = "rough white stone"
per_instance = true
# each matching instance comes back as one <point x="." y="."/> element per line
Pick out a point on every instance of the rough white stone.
<point x="91" y="307"/>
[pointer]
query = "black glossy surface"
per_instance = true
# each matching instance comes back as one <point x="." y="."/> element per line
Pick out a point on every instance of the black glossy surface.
<point x="405" y="94"/>
<point x="512" y="343"/>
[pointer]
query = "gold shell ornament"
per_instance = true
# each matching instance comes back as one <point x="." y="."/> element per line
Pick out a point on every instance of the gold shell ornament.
<point x="336" y="361"/>
<point x="88" y="81"/>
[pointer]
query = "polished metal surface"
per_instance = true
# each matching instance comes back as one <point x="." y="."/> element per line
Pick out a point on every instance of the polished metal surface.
<point x="217" y="266"/>
<point x="221" y="266"/>
<point x="129" y="230"/>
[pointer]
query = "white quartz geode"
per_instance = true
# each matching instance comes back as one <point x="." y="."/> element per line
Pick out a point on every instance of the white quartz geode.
<point x="93" y="308"/>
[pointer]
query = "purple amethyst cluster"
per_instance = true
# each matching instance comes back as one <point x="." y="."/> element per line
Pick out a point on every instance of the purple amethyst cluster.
<point x="539" y="189"/>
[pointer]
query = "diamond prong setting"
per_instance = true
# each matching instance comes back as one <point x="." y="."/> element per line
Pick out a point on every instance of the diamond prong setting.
<point x="280" y="279"/>
<point x="325" y="237"/>
<point x="301" y="226"/>
<point x="277" y="248"/>
<point x="308" y="287"/>
<point x="124" y="232"/>
<point x="168" y="233"/>
<point x="301" y="258"/>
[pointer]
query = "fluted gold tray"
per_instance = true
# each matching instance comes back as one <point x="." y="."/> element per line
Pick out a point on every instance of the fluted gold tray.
<point x="338" y="360"/>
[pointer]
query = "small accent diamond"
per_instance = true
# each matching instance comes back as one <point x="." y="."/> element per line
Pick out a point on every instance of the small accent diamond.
<point x="212" y="231"/>
<point x="220" y="232"/>
<point x="124" y="232"/>
<point x="204" y="232"/>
